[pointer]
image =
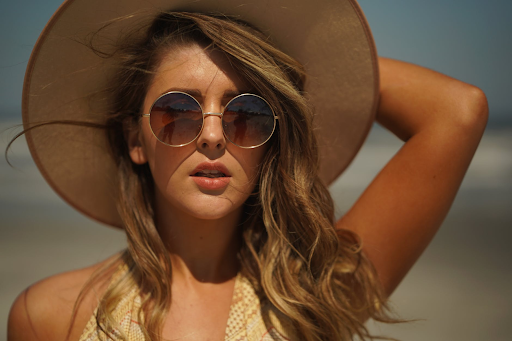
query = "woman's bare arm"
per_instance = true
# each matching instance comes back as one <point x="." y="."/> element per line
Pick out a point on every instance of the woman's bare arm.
<point x="442" y="120"/>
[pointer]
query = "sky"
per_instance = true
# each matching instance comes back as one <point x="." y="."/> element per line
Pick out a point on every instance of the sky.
<point x="466" y="39"/>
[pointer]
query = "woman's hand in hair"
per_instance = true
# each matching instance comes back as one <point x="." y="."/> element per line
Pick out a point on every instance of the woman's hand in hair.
<point x="441" y="121"/>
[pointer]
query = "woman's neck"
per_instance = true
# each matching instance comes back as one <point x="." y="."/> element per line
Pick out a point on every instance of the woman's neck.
<point x="201" y="250"/>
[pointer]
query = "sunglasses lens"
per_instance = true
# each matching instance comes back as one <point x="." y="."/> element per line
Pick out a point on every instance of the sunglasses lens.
<point x="176" y="118"/>
<point x="248" y="121"/>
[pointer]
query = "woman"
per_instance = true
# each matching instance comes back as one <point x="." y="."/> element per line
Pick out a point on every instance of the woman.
<point x="228" y="218"/>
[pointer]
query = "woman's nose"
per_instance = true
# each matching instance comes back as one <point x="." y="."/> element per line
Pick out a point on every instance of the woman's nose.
<point x="212" y="135"/>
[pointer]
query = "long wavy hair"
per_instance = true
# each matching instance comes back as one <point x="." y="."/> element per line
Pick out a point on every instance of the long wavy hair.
<point x="292" y="254"/>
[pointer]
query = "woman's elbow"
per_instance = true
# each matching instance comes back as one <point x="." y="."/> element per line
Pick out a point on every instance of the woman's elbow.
<point x="474" y="110"/>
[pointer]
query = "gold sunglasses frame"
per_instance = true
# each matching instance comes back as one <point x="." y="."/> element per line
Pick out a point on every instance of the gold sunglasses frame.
<point x="206" y="114"/>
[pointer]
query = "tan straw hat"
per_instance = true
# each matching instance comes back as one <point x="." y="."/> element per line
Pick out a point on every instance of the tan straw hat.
<point x="330" y="37"/>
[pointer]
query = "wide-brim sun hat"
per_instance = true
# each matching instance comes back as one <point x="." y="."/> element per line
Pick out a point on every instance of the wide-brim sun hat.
<point x="331" y="38"/>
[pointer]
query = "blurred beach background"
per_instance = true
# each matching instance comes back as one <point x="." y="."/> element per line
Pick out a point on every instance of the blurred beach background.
<point x="460" y="289"/>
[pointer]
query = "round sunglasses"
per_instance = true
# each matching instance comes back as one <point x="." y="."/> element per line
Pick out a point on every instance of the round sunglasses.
<point x="177" y="119"/>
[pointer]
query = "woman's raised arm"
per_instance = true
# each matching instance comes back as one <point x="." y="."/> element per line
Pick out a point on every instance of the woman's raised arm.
<point x="441" y="121"/>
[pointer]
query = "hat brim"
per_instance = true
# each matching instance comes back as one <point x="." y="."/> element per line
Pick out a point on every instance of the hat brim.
<point x="331" y="38"/>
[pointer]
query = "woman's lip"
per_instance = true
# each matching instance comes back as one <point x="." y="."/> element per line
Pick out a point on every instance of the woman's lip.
<point x="211" y="183"/>
<point x="219" y="166"/>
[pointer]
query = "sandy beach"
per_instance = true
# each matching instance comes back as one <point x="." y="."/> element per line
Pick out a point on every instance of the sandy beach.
<point x="461" y="288"/>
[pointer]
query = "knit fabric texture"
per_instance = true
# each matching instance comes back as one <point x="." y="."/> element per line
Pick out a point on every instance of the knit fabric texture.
<point x="250" y="319"/>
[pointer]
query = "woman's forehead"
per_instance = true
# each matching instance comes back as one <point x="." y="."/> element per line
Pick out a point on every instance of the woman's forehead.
<point x="207" y="72"/>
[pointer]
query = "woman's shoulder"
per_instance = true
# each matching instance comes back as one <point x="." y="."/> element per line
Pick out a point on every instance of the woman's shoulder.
<point x="44" y="310"/>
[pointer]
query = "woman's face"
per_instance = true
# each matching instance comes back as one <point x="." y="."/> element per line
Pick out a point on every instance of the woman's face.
<point x="180" y="173"/>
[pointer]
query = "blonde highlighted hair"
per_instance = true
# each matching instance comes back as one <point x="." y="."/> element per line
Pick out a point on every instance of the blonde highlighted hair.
<point x="291" y="252"/>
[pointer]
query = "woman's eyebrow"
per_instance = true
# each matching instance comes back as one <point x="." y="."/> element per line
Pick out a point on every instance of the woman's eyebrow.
<point x="198" y="94"/>
<point x="232" y="93"/>
<point x="193" y="92"/>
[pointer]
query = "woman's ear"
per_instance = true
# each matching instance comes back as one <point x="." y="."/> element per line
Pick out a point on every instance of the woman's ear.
<point x="135" y="145"/>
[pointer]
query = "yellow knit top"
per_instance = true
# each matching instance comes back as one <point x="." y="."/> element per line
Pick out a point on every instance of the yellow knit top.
<point x="249" y="318"/>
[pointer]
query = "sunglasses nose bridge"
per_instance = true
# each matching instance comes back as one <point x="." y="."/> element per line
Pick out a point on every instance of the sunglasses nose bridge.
<point x="206" y="114"/>
<point x="212" y="132"/>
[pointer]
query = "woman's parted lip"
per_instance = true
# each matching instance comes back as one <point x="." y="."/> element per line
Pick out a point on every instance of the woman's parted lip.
<point x="218" y="166"/>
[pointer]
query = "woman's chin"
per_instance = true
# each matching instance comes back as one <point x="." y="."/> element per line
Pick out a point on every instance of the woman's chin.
<point x="205" y="206"/>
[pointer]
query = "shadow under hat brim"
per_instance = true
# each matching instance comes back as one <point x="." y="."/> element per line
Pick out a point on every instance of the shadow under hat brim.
<point x="331" y="38"/>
